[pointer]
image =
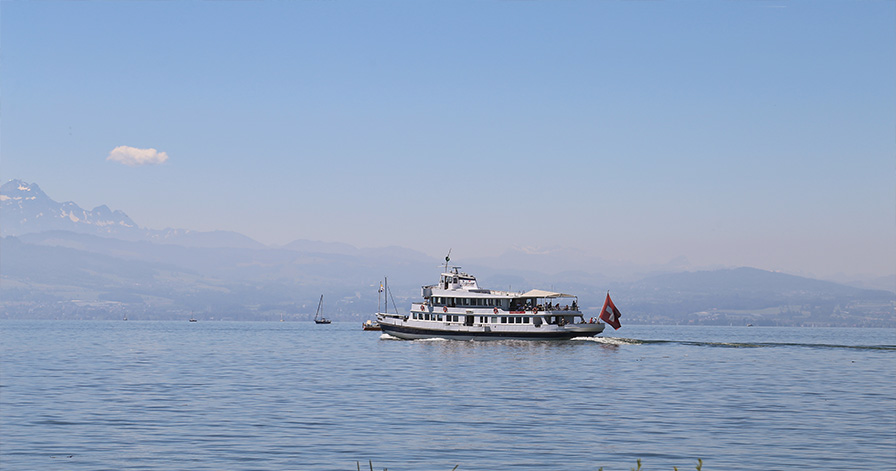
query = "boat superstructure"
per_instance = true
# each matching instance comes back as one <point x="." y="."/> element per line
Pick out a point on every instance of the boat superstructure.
<point x="457" y="308"/>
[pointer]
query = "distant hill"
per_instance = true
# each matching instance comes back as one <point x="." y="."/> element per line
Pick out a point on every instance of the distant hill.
<point x="71" y="275"/>
<point x="66" y="262"/>
<point x="55" y="273"/>
<point x="559" y="261"/>
<point x="773" y="286"/>
<point x="750" y="295"/>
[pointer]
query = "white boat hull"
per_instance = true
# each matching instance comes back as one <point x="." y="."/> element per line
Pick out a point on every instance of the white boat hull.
<point x="414" y="330"/>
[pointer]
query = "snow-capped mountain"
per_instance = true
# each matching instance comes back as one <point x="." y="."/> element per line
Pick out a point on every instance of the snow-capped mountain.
<point x="25" y="208"/>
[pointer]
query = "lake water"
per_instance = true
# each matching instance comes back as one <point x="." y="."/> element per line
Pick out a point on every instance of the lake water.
<point x="91" y="395"/>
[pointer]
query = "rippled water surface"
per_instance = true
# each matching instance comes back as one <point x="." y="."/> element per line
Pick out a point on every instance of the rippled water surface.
<point x="298" y="396"/>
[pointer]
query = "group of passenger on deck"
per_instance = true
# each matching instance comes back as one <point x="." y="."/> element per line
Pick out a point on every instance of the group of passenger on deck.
<point x="547" y="307"/>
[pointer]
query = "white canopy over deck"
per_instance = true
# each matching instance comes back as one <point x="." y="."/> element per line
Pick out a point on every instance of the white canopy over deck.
<point x="540" y="293"/>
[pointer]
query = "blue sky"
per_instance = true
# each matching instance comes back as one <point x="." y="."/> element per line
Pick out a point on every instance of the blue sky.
<point x="733" y="133"/>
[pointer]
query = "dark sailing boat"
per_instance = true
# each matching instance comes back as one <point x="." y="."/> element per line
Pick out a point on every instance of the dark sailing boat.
<point x="318" y="318"/>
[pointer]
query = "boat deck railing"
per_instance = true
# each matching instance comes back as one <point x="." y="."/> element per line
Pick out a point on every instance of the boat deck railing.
<point x="548" y="309"/>
<point x="481" y="310"/>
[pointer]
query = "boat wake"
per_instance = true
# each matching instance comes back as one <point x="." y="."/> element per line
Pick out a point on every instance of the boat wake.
<point x="622" y="341"/>
<point x="626" y="341"/>
<point x="610" y="340"/>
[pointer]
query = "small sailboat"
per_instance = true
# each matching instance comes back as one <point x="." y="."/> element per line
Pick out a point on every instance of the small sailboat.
<point x="192" y="317"/>
<point x="318" y="318"/>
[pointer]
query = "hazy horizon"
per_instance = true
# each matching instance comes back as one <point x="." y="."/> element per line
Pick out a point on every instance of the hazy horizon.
<point x="732" y="133"/>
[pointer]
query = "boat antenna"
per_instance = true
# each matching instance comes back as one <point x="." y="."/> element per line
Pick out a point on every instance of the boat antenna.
<point x="447" y="259"/>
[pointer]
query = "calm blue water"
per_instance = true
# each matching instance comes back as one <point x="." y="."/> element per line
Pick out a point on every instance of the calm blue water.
<point x="85" y="395"/>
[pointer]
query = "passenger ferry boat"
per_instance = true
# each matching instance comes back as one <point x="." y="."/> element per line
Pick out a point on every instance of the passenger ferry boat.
<point x="457" y="308"/>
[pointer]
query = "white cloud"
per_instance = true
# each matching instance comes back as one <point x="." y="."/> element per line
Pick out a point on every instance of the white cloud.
<point x="133" y="156"/>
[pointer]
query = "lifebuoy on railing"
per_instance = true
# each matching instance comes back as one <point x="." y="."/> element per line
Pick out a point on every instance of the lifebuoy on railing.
<point x="495" y="310"/>
<point x="445" y="309"/>
<point x="423" y="307"/>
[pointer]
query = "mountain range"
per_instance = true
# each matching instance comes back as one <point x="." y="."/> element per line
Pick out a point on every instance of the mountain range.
<point x="61" y="261"/>
<point x="25" y="209"/>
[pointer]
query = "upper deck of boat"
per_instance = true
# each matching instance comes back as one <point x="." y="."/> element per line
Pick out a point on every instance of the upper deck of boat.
<point x="459" y="288"/>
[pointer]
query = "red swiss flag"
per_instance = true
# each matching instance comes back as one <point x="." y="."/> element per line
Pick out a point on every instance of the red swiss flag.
<point x="610" y="314"/>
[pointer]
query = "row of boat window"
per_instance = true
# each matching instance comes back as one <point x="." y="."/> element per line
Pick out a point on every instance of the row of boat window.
<point x="451" y="302"/>
<point x="514" y="305"/>
<point x="425" y="316"/>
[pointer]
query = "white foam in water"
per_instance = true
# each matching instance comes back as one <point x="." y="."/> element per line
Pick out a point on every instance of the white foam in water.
<point x="609" y="340"/>
<point x="391" y="337"/>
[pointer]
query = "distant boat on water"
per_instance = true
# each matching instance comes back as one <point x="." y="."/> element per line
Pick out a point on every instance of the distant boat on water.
<point x="192" y="318"/>
<point x="371" y="325"/>
<point x="318" y="318"/>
